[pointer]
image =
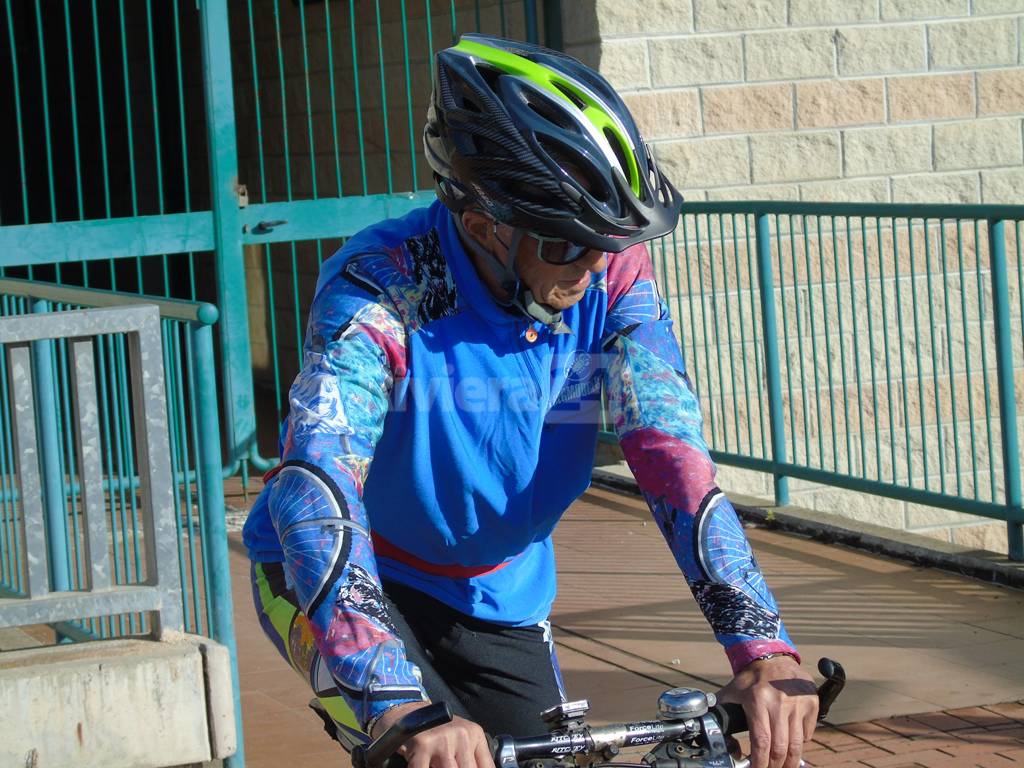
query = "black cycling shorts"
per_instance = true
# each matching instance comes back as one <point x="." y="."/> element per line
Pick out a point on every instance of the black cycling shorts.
<point x="500" y="677"/>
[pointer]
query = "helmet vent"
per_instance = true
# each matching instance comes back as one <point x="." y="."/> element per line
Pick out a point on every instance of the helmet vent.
<point x="469" y="102"/>
<point x="578" y="168"/>
<point x="565" y="91"/>
<point x="551" y="114"/>
<point x="654" y="176"/>
<point x="489" y="74"/>
<point x="488" y="148"/>
<point x="620" y="154"/>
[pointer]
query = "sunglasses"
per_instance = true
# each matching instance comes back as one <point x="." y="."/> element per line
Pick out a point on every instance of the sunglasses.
<point x="551" y="250"/>
<point x="554" y="250"/>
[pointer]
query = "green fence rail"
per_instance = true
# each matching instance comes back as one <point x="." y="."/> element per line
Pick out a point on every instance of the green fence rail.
<point x="191" y="395"/>
<point x="874" y="348"/>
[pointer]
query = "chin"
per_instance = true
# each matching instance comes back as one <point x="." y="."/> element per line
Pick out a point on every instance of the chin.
<point x="562" y="301"/>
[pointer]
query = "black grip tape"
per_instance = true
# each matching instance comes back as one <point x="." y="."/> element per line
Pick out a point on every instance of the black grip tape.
<point x="731" y="717"/>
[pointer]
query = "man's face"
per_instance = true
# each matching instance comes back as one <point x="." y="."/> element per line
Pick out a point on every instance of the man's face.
<point x="557" y="285"/>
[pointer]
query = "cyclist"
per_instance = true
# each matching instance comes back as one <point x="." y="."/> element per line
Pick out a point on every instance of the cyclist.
<point x="462" y="349"/>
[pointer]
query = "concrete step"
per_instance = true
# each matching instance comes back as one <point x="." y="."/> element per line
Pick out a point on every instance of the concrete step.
<point x="15" y="638"/>
<point x="125" y="703"/>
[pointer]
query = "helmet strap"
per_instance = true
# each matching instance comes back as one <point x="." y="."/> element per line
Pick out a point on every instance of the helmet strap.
<point x="507" y="275"/>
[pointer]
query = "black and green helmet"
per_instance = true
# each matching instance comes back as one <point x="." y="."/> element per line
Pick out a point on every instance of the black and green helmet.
<point x="514" y="127"/>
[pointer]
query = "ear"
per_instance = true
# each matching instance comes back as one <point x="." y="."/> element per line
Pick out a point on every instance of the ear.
<point x="478" y="225"/>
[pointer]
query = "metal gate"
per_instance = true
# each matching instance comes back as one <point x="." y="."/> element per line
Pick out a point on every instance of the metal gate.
<point x="141" y="166"/>
<point x="330" y="102"/>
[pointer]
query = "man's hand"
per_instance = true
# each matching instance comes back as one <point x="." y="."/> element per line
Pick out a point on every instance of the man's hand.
<point x="458" y="744"/>
<point x="781" y="705"/>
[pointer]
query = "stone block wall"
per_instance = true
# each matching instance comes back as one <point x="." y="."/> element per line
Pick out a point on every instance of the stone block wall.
<point x="886" y="337"/>
<point x="867" y="100"/>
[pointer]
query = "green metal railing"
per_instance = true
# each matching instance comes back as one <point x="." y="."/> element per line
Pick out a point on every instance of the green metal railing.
<point x="312" y="121"/>
<point x="868" y="347"/>
<point x="102" y="93"/>
<point x="191" y="396"/>
<point x="329" y="101"/>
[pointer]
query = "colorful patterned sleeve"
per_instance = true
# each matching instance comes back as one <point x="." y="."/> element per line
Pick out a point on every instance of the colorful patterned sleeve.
<point x="354" y="348"/>
<point x="658" y="423"/>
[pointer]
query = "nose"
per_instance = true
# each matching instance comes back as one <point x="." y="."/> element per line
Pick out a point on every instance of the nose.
<point x="594" y="261"/>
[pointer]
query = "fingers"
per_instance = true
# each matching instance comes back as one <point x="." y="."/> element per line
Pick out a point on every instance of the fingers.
<point x="465" y="751"/>
<point x="472" y="750"/>
<point x="810" y="719"/>
<point x="416" y="759"/>
<point x="760" y="730"/>
<point x="484" y="758"/>
<point x="796" y="740"/>
<point x="777" y="738"/>
<point x="458" y="744"/>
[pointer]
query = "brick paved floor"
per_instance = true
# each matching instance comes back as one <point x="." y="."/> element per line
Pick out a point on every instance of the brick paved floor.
<point x="912" y="640"/>
<point x="976" y="737"/>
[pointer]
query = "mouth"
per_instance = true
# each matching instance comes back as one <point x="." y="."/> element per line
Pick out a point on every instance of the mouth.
<point x="577" y="284"/>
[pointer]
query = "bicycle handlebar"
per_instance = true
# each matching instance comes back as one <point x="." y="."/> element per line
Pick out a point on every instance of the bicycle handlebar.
<point x="592" y="740"/>
<point x="510" y="751"/>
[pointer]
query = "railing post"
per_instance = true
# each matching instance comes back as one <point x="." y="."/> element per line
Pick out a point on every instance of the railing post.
<point x="530" y="20"/>
<point x="553" y="24"/>
<point x="152" y="447"/>
<point x="236" y="370"/>
<point x="1007" y="403"/>
<point x="763" y="244"/>
<point x="49" y="449"/>
<point x="211" y="492"/>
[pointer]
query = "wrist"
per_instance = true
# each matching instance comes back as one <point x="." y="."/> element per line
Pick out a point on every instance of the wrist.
<point x="387" y="716"/>
<point x="744" y="653"/>
<point x="776" y="655"/>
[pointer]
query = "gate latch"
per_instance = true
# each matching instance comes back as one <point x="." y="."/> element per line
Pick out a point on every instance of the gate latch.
<point x="265" y="227"/>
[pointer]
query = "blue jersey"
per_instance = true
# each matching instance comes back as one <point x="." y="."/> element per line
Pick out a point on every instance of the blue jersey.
<point x="435" y="438"/>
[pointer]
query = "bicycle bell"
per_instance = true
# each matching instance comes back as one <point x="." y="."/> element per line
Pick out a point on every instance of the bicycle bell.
<point x="684" y="704"/>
